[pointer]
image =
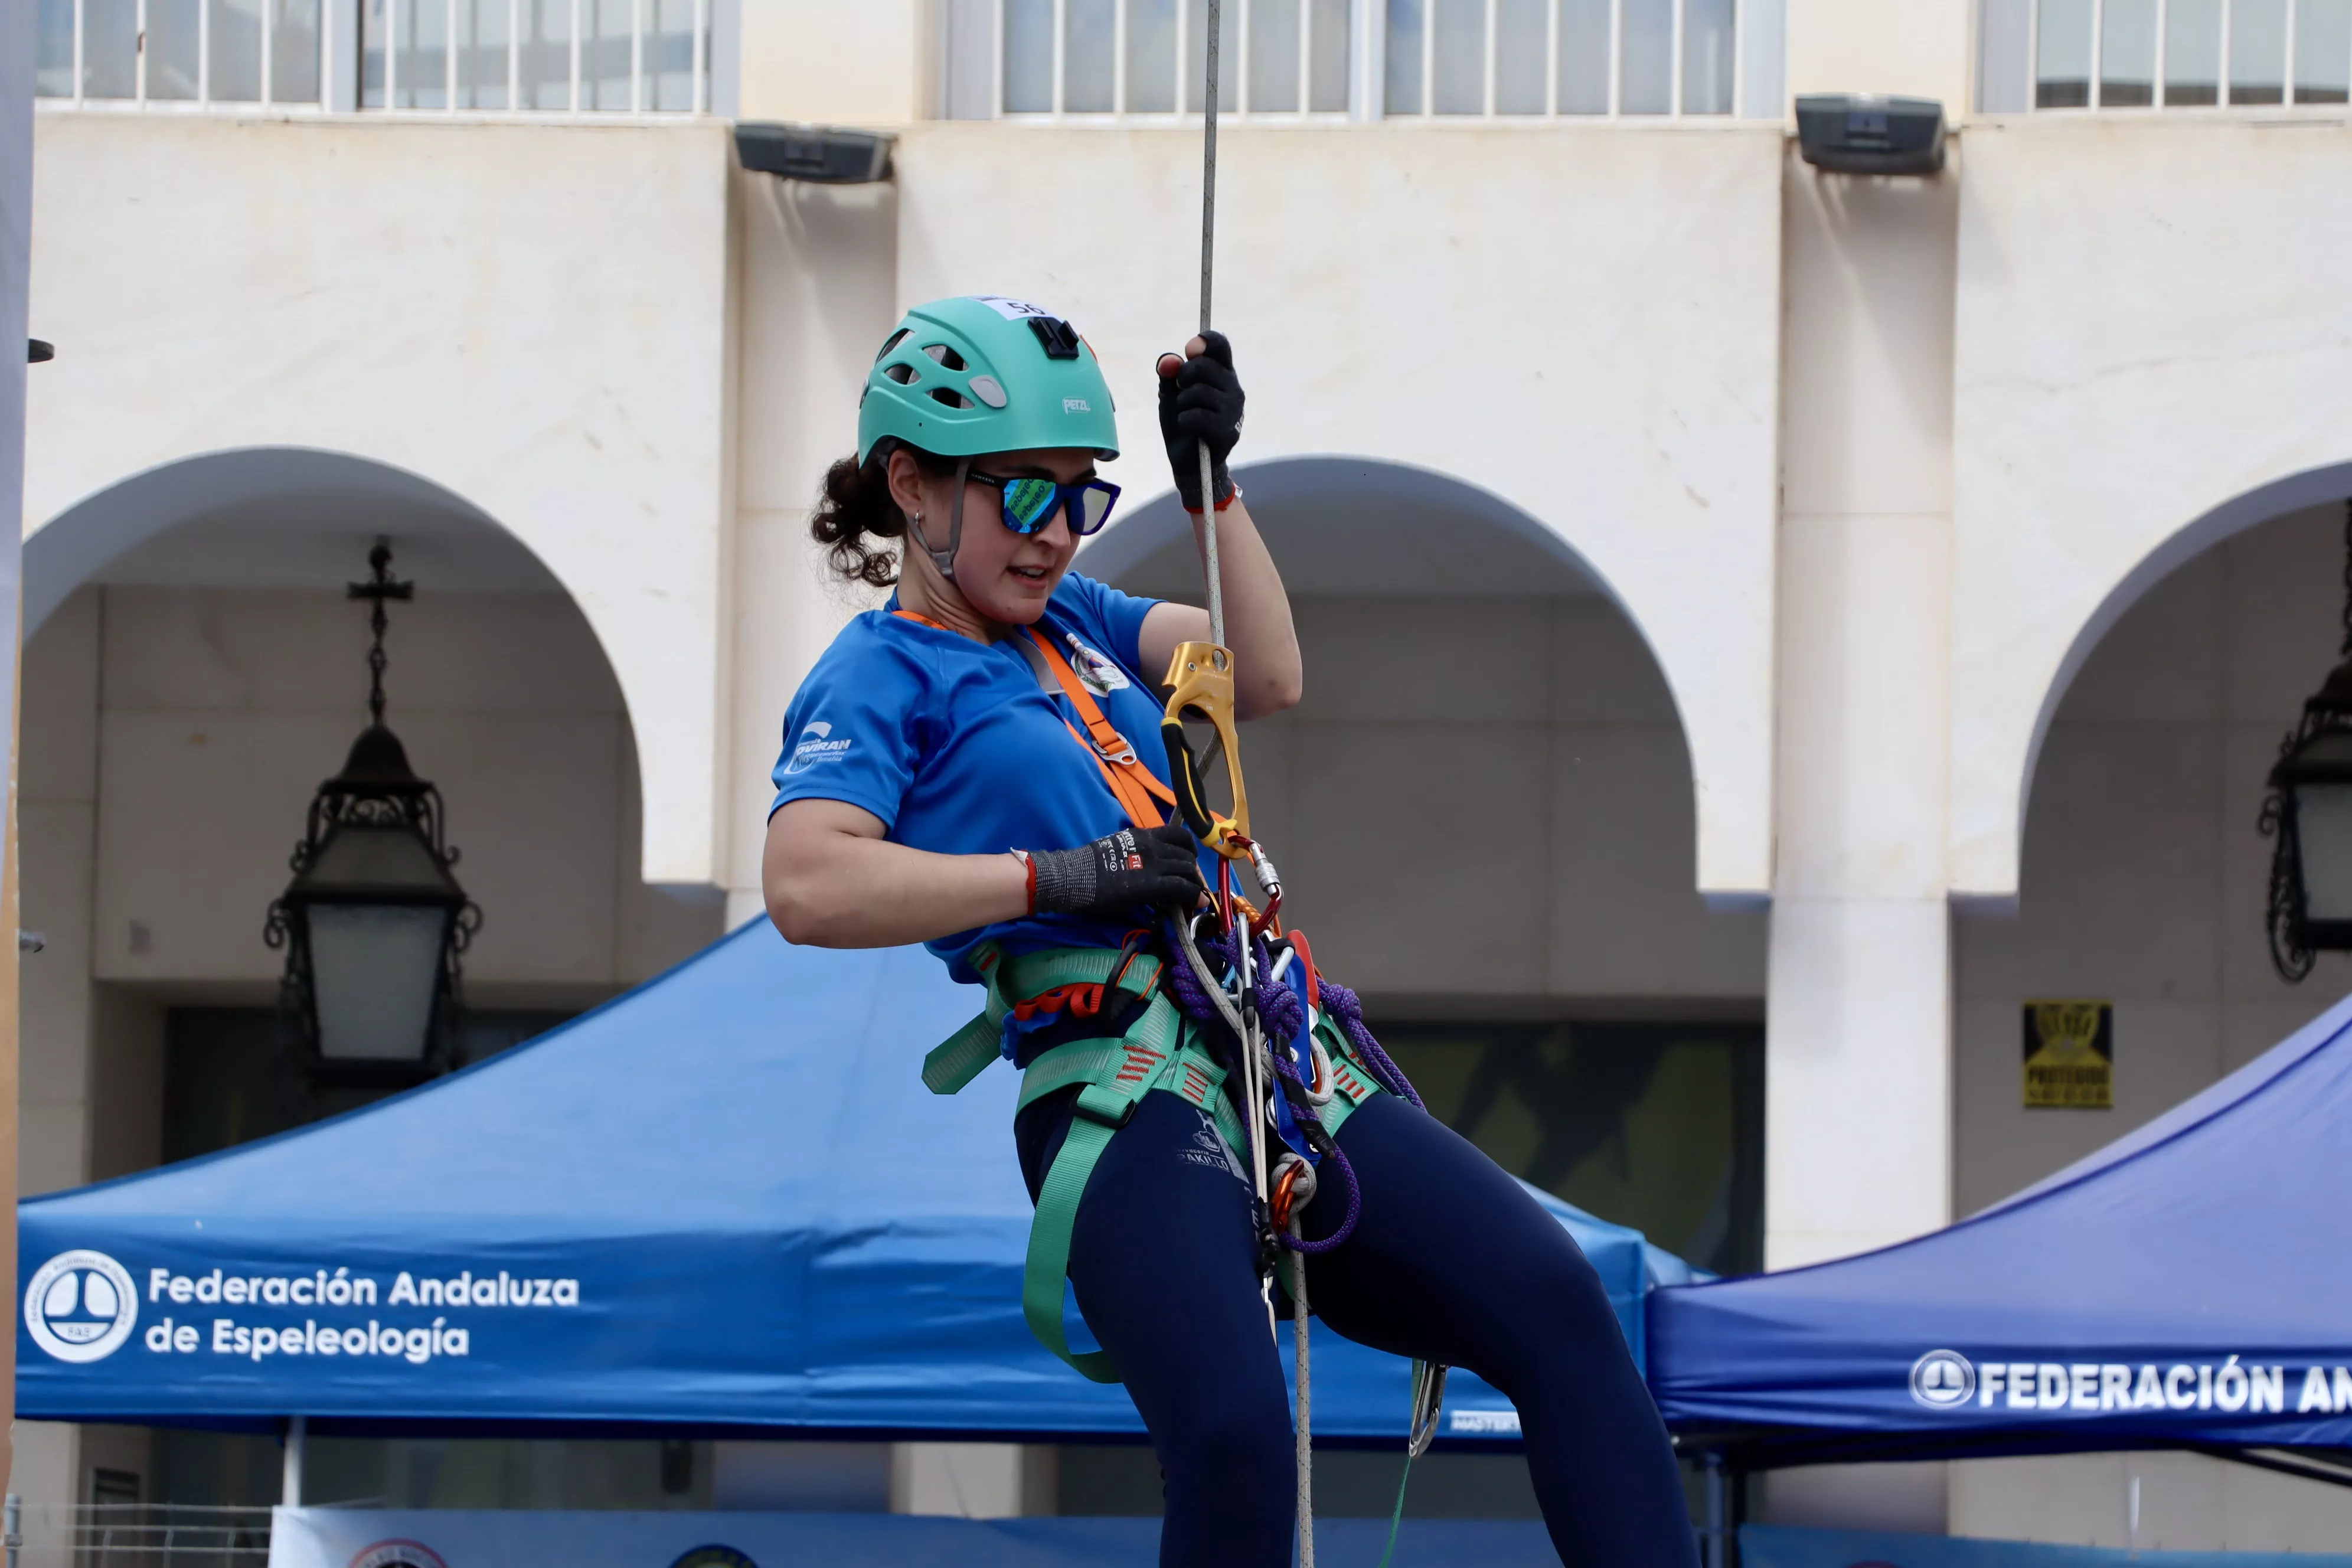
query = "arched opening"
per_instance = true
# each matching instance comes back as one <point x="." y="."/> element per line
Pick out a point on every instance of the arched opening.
<point x="194" y="670"/>
<point x="2143" y="886"/>
<point x="2143" y="876"/>
<point x="1483" y="809"/>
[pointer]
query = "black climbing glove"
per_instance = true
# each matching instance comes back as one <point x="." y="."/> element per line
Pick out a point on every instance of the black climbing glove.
<point x="1112" y="875"/>
<point x="1201" y="402"/>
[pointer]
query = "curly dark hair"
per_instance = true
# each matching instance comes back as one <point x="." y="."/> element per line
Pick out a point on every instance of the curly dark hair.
<point x="855" y="509"/>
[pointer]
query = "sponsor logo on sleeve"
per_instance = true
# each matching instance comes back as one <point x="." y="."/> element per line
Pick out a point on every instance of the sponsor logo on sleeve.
<point x="817" y="745"/>
<point x="80" y="1306"/>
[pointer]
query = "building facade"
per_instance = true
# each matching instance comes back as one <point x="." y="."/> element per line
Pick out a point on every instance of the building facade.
<point x="1764" y="627"/>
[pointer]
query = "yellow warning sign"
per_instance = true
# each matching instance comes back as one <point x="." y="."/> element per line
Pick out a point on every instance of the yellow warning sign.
<point x="2070" y="1054"/>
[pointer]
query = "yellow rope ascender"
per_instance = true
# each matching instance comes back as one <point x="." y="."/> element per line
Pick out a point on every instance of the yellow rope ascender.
<point x="1200" y="681"/>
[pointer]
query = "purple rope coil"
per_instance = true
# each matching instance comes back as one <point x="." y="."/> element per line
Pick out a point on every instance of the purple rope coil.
<point x="1344" y="1005"/>
<point x="1283" y="1014"/>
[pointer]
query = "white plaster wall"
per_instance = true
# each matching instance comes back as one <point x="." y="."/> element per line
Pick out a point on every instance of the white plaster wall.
<point x="1857" y="1080"/>
<point x="2151" y="320"/>
<point x="867" y="64"/>
<point x="1922" y="47"/>
<point x="1585" y="324"/>
<point x="817" y="299"/>
<point x="536" y="318"/>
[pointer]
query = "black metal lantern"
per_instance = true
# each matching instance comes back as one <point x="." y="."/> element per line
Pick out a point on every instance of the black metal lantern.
<point x="374" y="922"/>
<point x="2309" y="811"/>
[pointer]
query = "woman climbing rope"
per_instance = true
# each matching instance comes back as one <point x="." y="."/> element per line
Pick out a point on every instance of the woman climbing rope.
<point x="957" y="771"/>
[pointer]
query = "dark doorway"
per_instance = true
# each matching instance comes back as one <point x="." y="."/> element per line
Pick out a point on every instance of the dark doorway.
<point x="1656" y="1126"/>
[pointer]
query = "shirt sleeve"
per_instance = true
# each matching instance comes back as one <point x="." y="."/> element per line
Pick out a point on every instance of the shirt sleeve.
<point x="1116" y="618"/>
<point x="851" y="733"/>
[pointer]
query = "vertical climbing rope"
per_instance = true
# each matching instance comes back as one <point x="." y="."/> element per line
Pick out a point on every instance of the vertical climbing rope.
<point x="1208" y="273"/>
<point x="1303" y="1426"/>
<point x="1253" y="1075"/>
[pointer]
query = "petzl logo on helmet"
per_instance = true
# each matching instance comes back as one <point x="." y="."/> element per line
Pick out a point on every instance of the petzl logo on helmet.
<point x="1943" y="1380"/>
<point x="80" y="1306"/>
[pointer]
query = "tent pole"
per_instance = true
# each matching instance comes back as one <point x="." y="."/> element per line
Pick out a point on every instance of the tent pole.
<point x="1715" y="1557"/>
<point x="298" y="1437"/>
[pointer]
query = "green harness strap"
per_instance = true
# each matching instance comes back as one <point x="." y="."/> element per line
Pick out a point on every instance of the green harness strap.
<point x="1161" y="1050"/>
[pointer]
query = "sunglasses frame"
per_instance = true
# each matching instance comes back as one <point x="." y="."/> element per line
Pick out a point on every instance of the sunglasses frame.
<point x="1065" y="503"/>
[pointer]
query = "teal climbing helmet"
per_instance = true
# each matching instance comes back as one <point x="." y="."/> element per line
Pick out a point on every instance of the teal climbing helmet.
<point x="982" y="374"/>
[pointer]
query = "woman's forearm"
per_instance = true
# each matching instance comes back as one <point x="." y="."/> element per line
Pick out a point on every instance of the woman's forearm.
<point x="829" y="884"/>
<point x="1268" y="676"/>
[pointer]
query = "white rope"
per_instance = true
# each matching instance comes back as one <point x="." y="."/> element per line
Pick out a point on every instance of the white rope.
<point x="1208" y="268"/>
<point x="1305" y="1440"/>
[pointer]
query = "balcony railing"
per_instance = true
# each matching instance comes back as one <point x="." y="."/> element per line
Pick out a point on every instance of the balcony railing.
<point x="2163" y="54"/>
<point x="1315" y="60"/>
<point x="474" y="56"/>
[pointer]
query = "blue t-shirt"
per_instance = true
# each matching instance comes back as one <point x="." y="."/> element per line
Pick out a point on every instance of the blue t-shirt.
<point x="958" y="749"/>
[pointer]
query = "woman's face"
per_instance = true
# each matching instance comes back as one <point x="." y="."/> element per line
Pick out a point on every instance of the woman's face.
<point x="1004" y="576"/>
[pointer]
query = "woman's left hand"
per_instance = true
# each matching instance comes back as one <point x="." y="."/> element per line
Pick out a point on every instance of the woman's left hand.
<point x="1201" y="401"/>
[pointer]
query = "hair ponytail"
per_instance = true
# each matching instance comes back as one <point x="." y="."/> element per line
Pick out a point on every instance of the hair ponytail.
<point x="856" y="509"/>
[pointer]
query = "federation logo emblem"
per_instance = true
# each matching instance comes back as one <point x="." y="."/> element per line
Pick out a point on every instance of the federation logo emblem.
<point x="398" y="1555"/>
<point x="1943" y="1380"/>
<point x="80" y="1306"/>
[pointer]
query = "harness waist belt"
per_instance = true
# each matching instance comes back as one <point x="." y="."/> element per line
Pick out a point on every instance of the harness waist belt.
<point x="1161" y="1050"/>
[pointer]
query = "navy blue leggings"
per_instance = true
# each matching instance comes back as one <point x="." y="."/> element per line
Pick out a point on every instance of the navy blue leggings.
<point x="1451" y="1262"/>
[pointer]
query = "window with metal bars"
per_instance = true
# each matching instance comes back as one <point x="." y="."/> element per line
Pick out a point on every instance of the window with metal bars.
<point x="1366" y="60"/>
<point x="1583" y="58"/>
<point x="2162" y="54"/>
<point x="561" y="57"/>
<point x="178" y="51"/>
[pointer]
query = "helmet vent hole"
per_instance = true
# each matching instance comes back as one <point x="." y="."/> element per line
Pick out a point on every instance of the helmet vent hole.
<point x="901" y="373"/>
<point x="946" y="357"/>
<point x="894" y="341"/>
<point x="950" y="397"/>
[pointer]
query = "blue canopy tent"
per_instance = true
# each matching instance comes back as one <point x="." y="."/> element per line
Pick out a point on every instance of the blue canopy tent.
<point x="2186" y="1286"/>
<point x="722" y="1202"/>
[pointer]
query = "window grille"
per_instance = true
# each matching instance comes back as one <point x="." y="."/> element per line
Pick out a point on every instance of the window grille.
<point x="1308" y="60"/>
<point x="561" y="57"/>
<point x="192" y="52"/>
<point x="2162" y="54"/>
<point x="593" y="57"/>
<point x="1619" y="59"/>
<point x="1279" y="58"/>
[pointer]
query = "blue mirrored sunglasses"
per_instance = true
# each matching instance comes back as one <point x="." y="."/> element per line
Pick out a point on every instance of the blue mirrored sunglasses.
<point x="1028" y="505"/>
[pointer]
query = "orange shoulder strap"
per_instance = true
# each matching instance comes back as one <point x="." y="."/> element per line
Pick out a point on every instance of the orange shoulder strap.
<point x="1139" y="792"/>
